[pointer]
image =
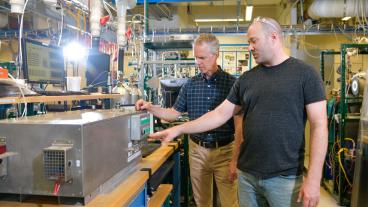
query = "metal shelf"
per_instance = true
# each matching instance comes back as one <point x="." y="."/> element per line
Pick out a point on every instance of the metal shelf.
<point x="345" y="117"/>
<point x="241" y="30"/>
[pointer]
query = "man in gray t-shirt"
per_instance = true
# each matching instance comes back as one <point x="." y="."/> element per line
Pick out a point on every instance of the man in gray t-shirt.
<point x="275" y="116"/>
<point x="276" y="98"/>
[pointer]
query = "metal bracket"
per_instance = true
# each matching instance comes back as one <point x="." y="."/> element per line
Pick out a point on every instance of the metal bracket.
<point x="149" y="188"/>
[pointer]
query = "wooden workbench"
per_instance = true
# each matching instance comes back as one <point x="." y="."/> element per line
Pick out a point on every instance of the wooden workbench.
<point x="158" y="157"/>
<point x="45" y="99"/>
<point x="124" y="193"/>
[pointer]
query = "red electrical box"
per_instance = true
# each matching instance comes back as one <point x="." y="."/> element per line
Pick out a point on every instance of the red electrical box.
<point x="2" y="146"/>
<point x="3" y="73"/>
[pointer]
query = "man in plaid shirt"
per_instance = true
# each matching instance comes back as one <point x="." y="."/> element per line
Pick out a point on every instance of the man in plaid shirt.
<point x="211" y="153"/>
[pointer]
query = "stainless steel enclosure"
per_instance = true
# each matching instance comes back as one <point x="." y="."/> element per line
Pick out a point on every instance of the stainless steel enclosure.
<point x="80" y="150"/>
<point x="360" y="185"/>
<point x="359" y="196"/>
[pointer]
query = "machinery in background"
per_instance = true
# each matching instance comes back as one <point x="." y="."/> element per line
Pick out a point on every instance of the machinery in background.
<point x="97" y="73"/>
<point x="168" y="65"/>
<point x="360" y="190"/>
<point x="357" y="84"/>
<point x="170" y="90"/>
<point x="130" y="92"/>
<point x="9" y="87"/>
<point x="75" y="154"/>
<point x="344" y="89"/>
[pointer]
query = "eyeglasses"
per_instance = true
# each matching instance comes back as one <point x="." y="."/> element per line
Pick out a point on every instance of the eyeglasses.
<point x="265" y="21"/>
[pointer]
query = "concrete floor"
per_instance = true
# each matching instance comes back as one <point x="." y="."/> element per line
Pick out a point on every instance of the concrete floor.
<point x="326" y="200"/>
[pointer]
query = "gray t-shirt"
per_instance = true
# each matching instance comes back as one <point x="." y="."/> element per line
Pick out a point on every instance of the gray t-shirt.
<point x="273" y="100"/>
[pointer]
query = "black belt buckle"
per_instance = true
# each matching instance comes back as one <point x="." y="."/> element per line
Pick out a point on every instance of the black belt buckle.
<point x="208" y="144"/>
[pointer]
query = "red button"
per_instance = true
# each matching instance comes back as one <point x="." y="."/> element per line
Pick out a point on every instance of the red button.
<point x="2" y="149"/>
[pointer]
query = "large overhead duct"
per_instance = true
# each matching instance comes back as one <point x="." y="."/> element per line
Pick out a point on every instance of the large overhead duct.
<point x="3" y="20"/>
<point x="122" y="6"/>
<point x="96" y="14"/>
<point x="337" y="8"/>
<point x="50" y="2"/>
<point x="130" y="3"/>
<point x="94" y="21"/>
<point x="16" y="6"/>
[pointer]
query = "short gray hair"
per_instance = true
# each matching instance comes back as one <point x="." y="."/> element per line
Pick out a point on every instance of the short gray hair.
<point x="269" y="25"/>
<point x="210" y="39"/>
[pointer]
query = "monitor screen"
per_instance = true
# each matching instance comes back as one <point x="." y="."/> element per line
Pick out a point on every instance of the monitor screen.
<point x="42" y="63"/>
<point x="98" y="66"/>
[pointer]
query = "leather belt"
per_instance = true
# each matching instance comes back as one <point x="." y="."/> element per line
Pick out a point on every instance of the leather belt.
<point x="211" y="144"/>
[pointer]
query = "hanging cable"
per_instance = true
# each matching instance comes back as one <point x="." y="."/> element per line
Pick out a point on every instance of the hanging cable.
<point x="108" y="10"/>
<point x="22" y="93"/>
<point x="62" y="24"/>
<point x="20" y="57"/>
<point x="342" y="166"/>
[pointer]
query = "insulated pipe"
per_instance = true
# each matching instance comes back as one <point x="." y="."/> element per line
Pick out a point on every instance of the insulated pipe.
<point x="95" y="16"/>
<point x="130" y="3"/>
<point x="3" y="20"/>
<point x="16" y="6"/>
<point x="337" y="8"/>
<point x="50" y="2"/>
<point x="122" y="6"/>
<point x="95" y="44"/>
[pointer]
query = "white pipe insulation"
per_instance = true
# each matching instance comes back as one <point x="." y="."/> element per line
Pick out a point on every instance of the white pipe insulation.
<point x="16" y="6"/>
<point x="337" y="8"/>
<point x="3" y="20"/>
<point x="131" y="4"/>
<point x="95" y="16"/>
<point x="122" y="6"/>
<point x="50" y="2"/>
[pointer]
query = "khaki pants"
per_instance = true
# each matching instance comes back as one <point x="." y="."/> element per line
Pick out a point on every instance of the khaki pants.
<point x="206" y="164"/>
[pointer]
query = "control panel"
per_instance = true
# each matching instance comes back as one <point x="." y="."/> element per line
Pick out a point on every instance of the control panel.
<point x="140" y="126"/>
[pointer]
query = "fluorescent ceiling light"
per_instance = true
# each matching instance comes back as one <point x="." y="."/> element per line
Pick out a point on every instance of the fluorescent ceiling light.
<point x="345" y="18"/>
<point x="248" y="13"/>
<point x="135" y="21"/>
<point x="218" y="20"/>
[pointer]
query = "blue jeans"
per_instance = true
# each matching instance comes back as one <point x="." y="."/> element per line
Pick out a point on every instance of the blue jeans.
<point x="279" y="191"/>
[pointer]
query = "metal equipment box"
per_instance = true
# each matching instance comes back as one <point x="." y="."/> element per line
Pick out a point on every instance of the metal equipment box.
<point x="75" y="154"/>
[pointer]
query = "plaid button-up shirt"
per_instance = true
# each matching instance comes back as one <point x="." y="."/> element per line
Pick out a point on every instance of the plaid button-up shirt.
<point x="199" y="96"/>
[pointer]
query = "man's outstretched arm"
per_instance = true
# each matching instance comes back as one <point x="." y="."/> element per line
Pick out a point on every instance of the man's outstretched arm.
<point x="206" y="122"/>
<point x="168" y="114"/>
